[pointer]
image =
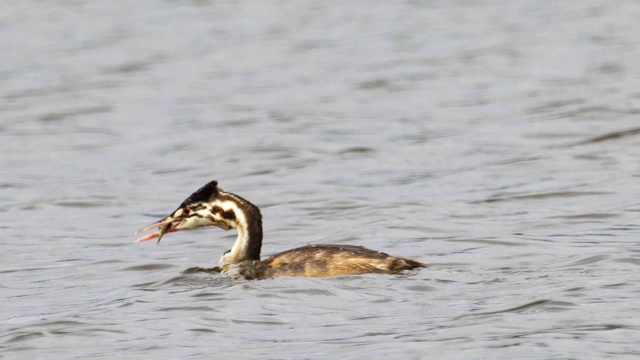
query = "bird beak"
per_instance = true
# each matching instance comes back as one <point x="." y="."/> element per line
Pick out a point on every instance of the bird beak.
<point x="164" y="226"/>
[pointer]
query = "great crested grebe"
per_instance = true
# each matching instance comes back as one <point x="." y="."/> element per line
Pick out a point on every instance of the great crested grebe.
<point x="211" y="206"/>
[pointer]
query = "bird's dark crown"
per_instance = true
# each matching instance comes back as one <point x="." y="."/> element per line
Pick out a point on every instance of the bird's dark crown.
<point x="204" y="194"/>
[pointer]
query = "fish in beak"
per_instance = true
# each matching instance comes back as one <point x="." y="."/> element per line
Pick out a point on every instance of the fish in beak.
<point x="198" y="210"/>
<point x="164" y="226"/>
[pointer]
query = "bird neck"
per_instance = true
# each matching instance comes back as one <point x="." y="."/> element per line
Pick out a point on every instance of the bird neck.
<point x="247" y="220"/>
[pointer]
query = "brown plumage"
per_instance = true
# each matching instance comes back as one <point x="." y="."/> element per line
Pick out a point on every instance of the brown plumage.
<point x="211" y="206"/>
<point x="332" y="260"/>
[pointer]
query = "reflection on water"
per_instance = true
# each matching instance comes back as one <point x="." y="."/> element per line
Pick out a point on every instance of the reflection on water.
<point x="496" y="142"/>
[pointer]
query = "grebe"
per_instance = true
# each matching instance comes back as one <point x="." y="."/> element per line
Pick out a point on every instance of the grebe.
<point x="212" y="206"/>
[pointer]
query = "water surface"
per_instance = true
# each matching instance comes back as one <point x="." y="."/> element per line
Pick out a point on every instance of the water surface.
<point x="497" y="142"/>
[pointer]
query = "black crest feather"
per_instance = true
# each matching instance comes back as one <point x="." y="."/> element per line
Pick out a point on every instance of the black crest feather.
<point x="203" y="194"/>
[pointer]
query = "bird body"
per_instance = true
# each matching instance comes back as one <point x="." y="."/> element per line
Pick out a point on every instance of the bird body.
<point x="212" y="206"/>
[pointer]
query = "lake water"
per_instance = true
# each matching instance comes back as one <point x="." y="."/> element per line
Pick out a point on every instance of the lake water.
<point x="496" y="141"/>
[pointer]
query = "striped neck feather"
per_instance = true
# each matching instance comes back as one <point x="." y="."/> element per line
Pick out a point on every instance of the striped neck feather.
<point x="245" y="217"/>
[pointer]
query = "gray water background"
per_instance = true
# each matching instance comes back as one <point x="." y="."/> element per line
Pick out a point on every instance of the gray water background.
<point x="497" y="141"/>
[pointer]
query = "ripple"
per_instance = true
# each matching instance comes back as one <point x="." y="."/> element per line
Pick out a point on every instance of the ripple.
<point x="81" y="204"/>
<point x="129" y="67"/>
<point x="588" y="110"/>
<point x="586" y="216"/>
<point x="148" y="267"/>
<point x="629" y="260"/>
<point x="544" y="305"/>
<point x="420" y="288"/>
<point x="25" y="335"/>
<point x="57" y="116"/>
<point x="315" y="291"/>
<point x="589" y="260"/>
<point x="489" y="242"/>
<point x="554" y="105"/>
<point x="540" y="196"/>
<point x="202" y="330"/>
<point x="194" y="281"/>
<point x="206" y="309"/>
<point x="615" y="135"/>
<point x="265" y="321"/>
<point x="356" y="150"/>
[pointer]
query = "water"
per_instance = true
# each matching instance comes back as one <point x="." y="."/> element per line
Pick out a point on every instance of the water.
<point x="497" y="142"/>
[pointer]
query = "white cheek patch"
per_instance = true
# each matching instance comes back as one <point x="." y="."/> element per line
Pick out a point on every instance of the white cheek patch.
<point x="194" y="222"/>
